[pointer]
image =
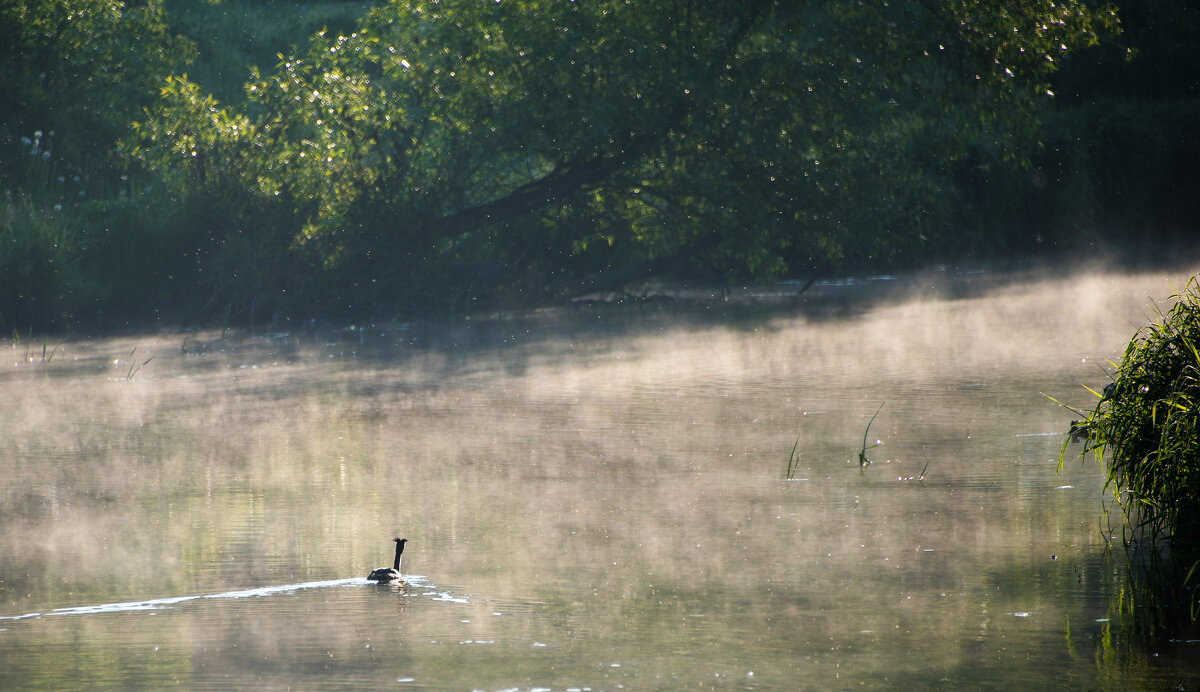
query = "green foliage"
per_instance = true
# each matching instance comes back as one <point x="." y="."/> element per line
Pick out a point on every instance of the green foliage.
<point x="549" y="139"/>
<point x="1146" y="428"/>
<point x="1131" y="177"/>
<point x="421" y="155"/>
<point x="73" y="72"/>
<point x="40" y="278"/>
<point x="232" y="36"/>
<point x="82" y="68"/>
<point x="193" y="143"/>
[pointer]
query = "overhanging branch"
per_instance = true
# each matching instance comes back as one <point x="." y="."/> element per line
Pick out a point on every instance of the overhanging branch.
<point x="574" y="177"/>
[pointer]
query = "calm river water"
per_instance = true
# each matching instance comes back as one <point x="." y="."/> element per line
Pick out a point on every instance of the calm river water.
<point x="595" y="499"/>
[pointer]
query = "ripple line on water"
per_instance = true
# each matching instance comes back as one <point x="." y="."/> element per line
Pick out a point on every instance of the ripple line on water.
<point x="161" y="603"/>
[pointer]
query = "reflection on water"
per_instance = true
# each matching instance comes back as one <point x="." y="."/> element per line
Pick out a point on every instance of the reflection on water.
<point x="598" y="499"/>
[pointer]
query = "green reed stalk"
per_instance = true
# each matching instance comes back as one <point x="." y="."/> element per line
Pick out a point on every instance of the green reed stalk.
<point x="862" y="454"/>
<point x="134" y="366"/>
<point x="792" y="459"/>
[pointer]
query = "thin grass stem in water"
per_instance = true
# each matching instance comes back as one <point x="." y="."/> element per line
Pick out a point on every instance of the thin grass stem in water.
<point x="792" y="459"/>
<point x="862" y="454"/>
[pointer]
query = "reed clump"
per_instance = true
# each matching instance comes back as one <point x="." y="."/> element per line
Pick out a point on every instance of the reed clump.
<point x="1145" y="430"/>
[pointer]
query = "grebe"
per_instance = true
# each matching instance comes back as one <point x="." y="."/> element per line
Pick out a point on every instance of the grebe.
<point x="386" y="574"/>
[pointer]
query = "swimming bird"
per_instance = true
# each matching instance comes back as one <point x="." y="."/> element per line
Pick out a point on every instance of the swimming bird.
<point x="386" y="574"/>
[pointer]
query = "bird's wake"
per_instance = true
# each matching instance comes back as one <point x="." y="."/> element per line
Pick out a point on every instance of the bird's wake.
<point x="162" y="603"/>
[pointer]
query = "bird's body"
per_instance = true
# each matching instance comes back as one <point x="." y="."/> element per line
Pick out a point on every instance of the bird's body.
<point x="385" y="575"/>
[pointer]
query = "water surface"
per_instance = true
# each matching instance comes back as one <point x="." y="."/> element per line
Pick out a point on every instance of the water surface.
<point x="595" y="498"/>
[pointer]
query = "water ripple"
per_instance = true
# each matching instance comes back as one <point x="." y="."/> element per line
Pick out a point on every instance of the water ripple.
<point x="162" y="603"/>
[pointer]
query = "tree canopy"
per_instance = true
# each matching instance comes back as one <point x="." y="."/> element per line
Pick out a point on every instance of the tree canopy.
<point x="445" y="150"/>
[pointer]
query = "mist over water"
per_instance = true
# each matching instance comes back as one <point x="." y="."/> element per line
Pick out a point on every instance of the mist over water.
<point x="594" y="498"/>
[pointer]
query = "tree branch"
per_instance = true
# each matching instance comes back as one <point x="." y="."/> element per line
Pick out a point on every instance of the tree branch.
<point x="579" y="175"/>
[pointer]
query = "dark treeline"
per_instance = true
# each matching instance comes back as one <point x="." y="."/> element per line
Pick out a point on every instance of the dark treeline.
<point x="257" y="161"/>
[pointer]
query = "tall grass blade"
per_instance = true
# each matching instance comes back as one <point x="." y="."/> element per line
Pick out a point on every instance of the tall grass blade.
<point x="791" y="462"/>
<point x="134" y="366"/>
<point x="862" y="454"/>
